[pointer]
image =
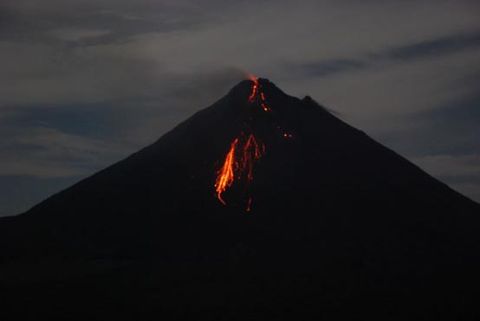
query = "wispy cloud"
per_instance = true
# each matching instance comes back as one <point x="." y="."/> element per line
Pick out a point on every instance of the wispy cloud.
<point x="46" y="152"/>
<point x="89" y="23"/>
<point x="331" y="67"/>
<point x="425" y="49"/>
<point x="443" y="45"/>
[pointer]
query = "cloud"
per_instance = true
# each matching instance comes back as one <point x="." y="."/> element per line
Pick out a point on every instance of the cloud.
<point x="48" y="153"/>
<point x="87" y="23"/>
<point x="434" y="47"/>
<point x="331" y="67"/>
<point x="431" y="48"/>
<point x="449" y="129"/>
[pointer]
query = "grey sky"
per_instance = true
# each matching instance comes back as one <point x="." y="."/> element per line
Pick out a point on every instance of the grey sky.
<point x="85" y="83"/>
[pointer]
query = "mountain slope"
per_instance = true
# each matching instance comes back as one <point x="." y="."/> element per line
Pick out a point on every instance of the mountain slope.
<point x="329" y="222"/>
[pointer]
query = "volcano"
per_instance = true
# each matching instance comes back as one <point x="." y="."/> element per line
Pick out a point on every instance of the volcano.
<point x="262" y="206"/>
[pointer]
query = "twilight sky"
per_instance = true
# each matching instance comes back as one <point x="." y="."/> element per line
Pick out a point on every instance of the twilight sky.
<point x="87" y="82"/>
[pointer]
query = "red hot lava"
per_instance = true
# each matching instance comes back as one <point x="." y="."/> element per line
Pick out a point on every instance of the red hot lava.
<point x="257" y="94"/>
<point x="253" y="94"/>
<point x="226" y="175"/>
<point x="238" y="165"/>
<point x="244" y="151"/>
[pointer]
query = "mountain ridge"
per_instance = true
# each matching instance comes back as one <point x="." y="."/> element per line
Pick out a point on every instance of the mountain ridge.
<point x="324" y="217"/>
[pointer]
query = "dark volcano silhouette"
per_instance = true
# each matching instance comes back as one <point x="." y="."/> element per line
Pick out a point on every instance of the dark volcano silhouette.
<point x="340" y="227"/>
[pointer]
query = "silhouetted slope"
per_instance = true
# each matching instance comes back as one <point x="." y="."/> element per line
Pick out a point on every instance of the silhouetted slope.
<point x="340" y="225"/>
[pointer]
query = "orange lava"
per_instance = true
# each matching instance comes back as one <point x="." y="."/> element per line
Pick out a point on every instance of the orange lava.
<point x="238" y="165"/>
<point x="226" y="174"/>
<point x="251" y="152"/>
<point x="256" y="91"/>
<point x="244" y="151"/>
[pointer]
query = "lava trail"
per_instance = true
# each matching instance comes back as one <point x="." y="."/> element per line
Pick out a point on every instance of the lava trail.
<point x="226" y="175"/>
<point x="244" y="151"/>
<point x="257" y="95"/>
<point x="238" y="165"/>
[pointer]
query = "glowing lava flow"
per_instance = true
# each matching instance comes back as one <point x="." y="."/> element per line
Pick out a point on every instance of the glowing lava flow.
<point x="226" y="174"/>
<point x="252" y="151"/>
<point x="254" y="95"/>
<point x="238" y="165"/>
<point x="254" y="92"/>
<point x="244" y="151"/>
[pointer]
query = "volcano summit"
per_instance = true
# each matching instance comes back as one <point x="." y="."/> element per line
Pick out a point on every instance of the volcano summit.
<point x="261" y="207"/>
